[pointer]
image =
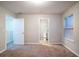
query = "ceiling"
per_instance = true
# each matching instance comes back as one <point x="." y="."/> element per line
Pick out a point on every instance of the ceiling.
<point x="27" y="7"/>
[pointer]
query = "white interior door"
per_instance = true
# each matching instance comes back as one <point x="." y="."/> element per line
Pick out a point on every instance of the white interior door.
<point x="18" y="31"/>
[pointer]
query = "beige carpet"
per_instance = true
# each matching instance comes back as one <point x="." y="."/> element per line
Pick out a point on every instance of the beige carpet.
<point x="37" y="50"/>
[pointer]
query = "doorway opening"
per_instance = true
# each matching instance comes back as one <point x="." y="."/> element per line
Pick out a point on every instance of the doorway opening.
<point x="44" y="31"/>
<point x="14" y="31"/>
<point x="9" y="31"/>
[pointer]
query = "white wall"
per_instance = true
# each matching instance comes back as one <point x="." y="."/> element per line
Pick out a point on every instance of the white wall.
<point x="32" y="28"/>
<point x="3" y="13"/>
<point x="73" y="45"/>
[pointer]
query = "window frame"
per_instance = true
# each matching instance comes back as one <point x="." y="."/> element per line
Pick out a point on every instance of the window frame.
<point x="68" y="28"/>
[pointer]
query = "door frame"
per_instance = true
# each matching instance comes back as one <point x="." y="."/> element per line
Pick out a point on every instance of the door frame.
<point x="48" y="29"/>
<point x="6" y="32"/>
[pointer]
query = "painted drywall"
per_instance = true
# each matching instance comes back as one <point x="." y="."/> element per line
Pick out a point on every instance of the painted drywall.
<point x="73" y="45"/>
<point x="3" y="33"/>
<point x="32" y="28"/>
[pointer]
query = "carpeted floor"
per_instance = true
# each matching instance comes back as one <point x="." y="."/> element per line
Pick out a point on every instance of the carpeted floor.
<point x="37" y="50"/>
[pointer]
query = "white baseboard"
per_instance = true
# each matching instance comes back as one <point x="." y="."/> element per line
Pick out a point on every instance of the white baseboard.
<point x="3" y="50"/>
<point x="71" y="50"/>
<point x="48" y="43"/>
<point x="55" y="43"/>
<point x="31" y="43"/>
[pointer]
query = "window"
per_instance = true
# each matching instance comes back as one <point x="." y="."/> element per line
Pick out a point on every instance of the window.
<point x="68" y="27"/>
